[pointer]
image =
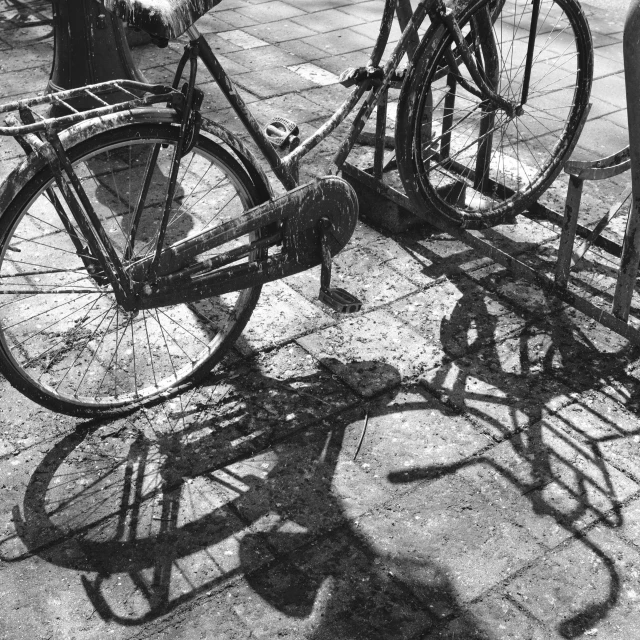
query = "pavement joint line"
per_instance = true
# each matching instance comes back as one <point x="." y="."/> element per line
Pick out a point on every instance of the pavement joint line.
<point x="181" y="610"/>
<point x="491" y="445"/>
<point x="528" y="614"/>
<point x="621" y="469"/>
<point x="576" y="535"/>
<point x="500" y="588"/>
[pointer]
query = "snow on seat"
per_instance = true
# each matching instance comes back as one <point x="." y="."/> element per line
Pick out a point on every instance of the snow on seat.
<point x="162" y="18"/>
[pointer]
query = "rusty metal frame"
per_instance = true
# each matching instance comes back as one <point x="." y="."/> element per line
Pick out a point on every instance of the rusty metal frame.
<point x="36" y="123"/>
<point x="516" y="266"/>
<point x="631" y="246"/>
<point x="187" y="281"/>
<point x="286" y="168"/>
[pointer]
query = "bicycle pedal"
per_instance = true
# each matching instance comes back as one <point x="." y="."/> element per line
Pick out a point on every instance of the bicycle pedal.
<point x="340" y="300"/>
<point x="282" y="132"/>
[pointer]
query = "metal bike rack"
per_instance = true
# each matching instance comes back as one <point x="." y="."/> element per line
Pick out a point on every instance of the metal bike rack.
<point x="615" y="313"/>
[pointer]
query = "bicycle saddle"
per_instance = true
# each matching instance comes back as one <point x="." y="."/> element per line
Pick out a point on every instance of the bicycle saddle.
<point x="166" y="19"/>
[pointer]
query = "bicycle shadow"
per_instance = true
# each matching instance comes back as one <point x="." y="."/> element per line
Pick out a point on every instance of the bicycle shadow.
<point x="34" y="24"/>
<point x="173" y="511"/>
<point x="238" y="478"/>
<point x="562" y="474"/>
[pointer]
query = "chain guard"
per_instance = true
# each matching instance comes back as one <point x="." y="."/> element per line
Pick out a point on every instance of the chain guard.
<point x="331" y="198"/>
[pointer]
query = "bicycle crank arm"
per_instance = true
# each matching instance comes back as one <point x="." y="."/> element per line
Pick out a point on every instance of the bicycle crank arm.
<point x="300" y="212"/>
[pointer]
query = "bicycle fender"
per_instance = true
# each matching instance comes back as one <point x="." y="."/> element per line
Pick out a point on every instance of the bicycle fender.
<point x="82" y="131"/>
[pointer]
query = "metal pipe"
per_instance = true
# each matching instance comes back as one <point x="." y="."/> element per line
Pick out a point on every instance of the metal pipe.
<point x="631" y="247"/>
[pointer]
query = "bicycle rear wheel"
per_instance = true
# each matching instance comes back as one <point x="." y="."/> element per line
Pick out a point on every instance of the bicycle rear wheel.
<point x="64" y="340"/>
<point x="468" y="161"/>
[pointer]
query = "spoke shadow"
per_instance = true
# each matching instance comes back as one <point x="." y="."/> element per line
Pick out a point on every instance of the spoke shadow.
<point x="237" y="477"/>
<point x="167" y="504"/>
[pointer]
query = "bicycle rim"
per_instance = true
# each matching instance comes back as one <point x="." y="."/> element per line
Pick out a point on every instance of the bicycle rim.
<point x="470" y="161"/>
<point x="64" y="340"/>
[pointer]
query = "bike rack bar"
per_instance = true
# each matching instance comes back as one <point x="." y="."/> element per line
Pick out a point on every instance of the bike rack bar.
<point x="568" y="236"/>
<point x="631" y="246"/>
<point x="404" y="13"/>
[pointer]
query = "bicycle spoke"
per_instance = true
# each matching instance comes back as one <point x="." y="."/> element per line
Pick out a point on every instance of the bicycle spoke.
<point x="96" y="350"/>
<point x="80" y="351"/>
<point x="67" y="336"/>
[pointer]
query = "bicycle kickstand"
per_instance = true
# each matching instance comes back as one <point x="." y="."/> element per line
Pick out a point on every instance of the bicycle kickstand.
<point x="338" y="299"/>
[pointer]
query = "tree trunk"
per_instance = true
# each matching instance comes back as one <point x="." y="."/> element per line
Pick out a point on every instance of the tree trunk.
<point x="90" y="46"/>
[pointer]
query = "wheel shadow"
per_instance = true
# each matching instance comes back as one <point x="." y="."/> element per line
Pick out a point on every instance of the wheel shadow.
<point x="166" y="505"/>
<point x="20" y="15"/>
<point x="237" y="477"/>
<point x="491" y="383"/>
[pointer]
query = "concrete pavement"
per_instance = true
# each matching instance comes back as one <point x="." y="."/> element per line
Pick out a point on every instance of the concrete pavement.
<point x="494" y="493"/>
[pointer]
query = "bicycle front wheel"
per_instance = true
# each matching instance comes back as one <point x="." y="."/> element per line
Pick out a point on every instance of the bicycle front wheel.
<point x="64" y="340"/>
<point x="462" y="157"/>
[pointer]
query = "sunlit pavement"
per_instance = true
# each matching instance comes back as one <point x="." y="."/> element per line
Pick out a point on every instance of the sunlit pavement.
<point x="458" y="460"/>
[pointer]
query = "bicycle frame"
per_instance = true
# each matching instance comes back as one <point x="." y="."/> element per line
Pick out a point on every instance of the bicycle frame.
<point x="164" y="267"/>
<point x="167" y="267"/>
<point x="286" y="168"/>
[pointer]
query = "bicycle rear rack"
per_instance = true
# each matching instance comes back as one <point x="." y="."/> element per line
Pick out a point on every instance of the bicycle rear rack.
<point x="33" y="120"/>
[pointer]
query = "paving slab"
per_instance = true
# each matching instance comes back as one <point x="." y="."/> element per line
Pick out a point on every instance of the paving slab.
<point x="499" y="389"/>
<point x="234" y="18"/>
<point x="280" y="316"/>
<point x="409" y="437"/>
<point x="261" y="58"/>
<point x="463" y="317"/>
<point x="590" y="586"/>
<point x="602" y="423"/>
<point x="461" y="537"/>
<point x="373" y="352"/>
<point x="493" y="618"/>
<point x="277" y="32"/>
<point x="272" y="11"/>
<point x="458" y="460"/>
<point x="330" y="590"/>
<point x="363" y="274"/>
<point x="339" y="41"/>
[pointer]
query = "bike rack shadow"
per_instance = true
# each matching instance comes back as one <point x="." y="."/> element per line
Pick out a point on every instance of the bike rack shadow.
<point x="118" y="513"/>
<point x="569" y="346"/>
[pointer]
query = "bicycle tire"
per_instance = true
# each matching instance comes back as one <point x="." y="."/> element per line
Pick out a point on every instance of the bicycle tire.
<point x="477" y="178"/>
<point x="75" y="355"/>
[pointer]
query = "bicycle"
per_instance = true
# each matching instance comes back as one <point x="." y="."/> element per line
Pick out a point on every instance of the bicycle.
<point x="134" y="239"/>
